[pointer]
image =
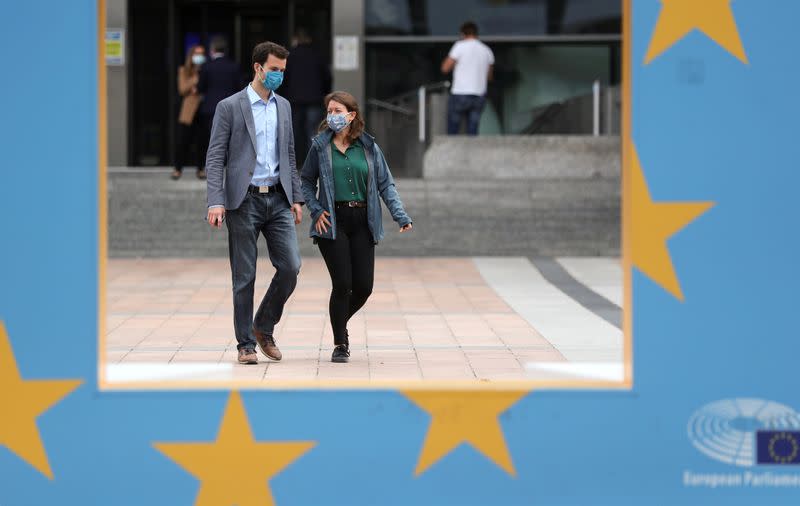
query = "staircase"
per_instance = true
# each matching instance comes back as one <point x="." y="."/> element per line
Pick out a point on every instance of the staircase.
<point x="527" y="196"/>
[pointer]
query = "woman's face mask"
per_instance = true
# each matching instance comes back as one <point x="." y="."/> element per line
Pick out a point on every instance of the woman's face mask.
<point x="198" y="59"/>
<point x="338" y="121"/>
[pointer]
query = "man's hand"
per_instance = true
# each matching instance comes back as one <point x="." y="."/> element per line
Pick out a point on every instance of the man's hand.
<point x="406" y="227"/>
<point x="323" y="223"/>
<point x="447" y="65"/>
<point x="297" y="211"/>
<point x="215" y="216"/>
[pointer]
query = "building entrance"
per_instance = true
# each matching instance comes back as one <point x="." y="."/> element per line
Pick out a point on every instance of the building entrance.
<point x="161" y="33"/>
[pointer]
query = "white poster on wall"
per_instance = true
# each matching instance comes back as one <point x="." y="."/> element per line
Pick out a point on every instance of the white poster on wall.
<point x="345" y="52"/>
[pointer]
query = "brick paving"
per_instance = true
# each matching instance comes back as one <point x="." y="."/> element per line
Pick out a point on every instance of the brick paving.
<point x="428" y="318"/>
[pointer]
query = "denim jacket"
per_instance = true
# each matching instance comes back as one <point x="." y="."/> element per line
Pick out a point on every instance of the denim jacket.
<point x="318" y="168"/>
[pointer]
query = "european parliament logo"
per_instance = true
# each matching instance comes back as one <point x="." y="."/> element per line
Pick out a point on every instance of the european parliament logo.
<point x="747" y="432"/>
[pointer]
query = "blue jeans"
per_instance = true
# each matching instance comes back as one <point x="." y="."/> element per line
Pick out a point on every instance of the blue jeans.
<point x="459" y="106"/>
<point x="268" y="214"/>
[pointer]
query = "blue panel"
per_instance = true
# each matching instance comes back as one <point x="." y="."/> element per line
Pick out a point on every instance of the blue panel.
<point x="709" y="372"/>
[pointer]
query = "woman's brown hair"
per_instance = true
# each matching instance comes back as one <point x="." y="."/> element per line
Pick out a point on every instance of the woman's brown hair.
<point x="349" y="101"/>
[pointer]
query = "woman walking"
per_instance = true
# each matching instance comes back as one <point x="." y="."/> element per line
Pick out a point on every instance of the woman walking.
<point x="351" y="172"/>
<point x="189" y="130"/>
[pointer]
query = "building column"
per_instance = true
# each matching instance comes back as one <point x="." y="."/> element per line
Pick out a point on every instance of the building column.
<point x="347" y="19"/>
<point x="117" y="88"/>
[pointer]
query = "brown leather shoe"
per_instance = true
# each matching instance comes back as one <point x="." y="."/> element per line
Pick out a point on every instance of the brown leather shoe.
<point x="267" y="345"/>
<point x="248" y="356"/>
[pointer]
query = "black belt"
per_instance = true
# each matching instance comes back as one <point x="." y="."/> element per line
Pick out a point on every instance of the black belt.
<point x="352" y="203"/>
<point x="264" y="189"/>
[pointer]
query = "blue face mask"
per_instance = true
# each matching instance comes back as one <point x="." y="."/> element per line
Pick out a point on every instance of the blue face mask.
<point x="272" y="79"/>
<point x="337" y="122"/>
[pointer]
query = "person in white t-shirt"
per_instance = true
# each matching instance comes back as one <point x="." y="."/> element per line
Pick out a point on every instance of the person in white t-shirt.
<point x="471" y="62"/>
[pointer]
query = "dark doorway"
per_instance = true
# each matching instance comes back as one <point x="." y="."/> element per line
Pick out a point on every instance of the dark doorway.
<point x="161" y="32"/>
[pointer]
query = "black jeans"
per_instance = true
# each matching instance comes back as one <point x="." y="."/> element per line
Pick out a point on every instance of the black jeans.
<point x="189" y="136"/>
<point x="268" y="214"/>
<point x="351" y="263"/>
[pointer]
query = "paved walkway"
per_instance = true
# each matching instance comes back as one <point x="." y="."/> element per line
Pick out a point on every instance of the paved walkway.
<point x="428" y="318"/>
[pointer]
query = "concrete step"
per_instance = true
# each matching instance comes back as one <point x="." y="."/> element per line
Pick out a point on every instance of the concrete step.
<point x="152" y="216"/>
<point x="522" y="157"/>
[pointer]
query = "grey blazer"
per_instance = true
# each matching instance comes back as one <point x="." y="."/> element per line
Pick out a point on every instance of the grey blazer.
<point x="231" y="157"/>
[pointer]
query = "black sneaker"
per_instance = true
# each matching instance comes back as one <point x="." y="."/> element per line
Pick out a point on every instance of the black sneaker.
<point x="341" y="353"/>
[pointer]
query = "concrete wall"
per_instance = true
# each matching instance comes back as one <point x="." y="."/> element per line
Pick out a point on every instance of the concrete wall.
<point x="522" y="157"/>
<point x="117" y="95"/>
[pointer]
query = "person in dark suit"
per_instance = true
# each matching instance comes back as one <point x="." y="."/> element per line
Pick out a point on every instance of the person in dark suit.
<point x="308" y="80"/>
<point x="219" y="79"/>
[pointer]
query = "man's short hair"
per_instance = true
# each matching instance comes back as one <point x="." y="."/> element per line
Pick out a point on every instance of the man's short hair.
<point x="219" y="45"/>
<point x="470" y="29"/>
<point x="262" y="51"/>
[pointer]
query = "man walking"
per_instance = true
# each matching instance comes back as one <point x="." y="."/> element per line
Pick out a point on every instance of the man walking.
<point x="218" y="79"/>
<point x="471" y="62"/>
<point x="254" y="186"/>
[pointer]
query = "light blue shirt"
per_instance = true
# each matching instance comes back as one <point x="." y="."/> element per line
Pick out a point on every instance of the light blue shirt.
<point x="265" y="117"/>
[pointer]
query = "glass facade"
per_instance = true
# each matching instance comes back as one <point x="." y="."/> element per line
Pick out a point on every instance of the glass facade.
<point x="161" y="31"/>
<point x="494" y="17"/>
<point x="527" y="76"/>
<point x="546" y="52"/>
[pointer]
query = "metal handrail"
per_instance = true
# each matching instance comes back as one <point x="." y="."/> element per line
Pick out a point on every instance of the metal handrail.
<point x="402" y="97"/>
<point x="422" y="103"/>
<point x="393" y="104"/>
<point x="546" y="113"/>
<point x="596" y="108"/>
<point x="437" y="85"/>
<point x="389" y="106"/>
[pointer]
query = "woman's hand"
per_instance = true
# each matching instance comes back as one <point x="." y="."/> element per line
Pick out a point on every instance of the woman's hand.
<point x="322" y="223"/>
<point x="406" y="227"/>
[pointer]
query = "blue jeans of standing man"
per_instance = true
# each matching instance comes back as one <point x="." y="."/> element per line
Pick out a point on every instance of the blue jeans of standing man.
<point x="459" y="106"/>
<point x="268" y="214"/>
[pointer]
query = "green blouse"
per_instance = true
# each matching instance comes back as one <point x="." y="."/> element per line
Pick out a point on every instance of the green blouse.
<point x="350" y="173"/>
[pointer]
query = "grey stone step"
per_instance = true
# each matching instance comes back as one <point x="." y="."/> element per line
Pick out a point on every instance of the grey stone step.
<point x="152" y="216"/>
<point x="522" y="157"/>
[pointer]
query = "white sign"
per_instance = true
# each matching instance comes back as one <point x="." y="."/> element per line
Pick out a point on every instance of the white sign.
<point x="345" y="53"/>
<point x="115" y="46"/>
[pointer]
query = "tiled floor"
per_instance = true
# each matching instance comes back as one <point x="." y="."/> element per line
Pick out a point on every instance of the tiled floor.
<point x="428" y="318"/>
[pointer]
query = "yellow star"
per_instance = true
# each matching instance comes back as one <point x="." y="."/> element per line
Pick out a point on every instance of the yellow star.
<point x="21" y="402"/>
<point x="464" y="417"/>
<point x="219" y="465"/>
<point x="652" y="223"/>
<point x="679" y="17"/>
